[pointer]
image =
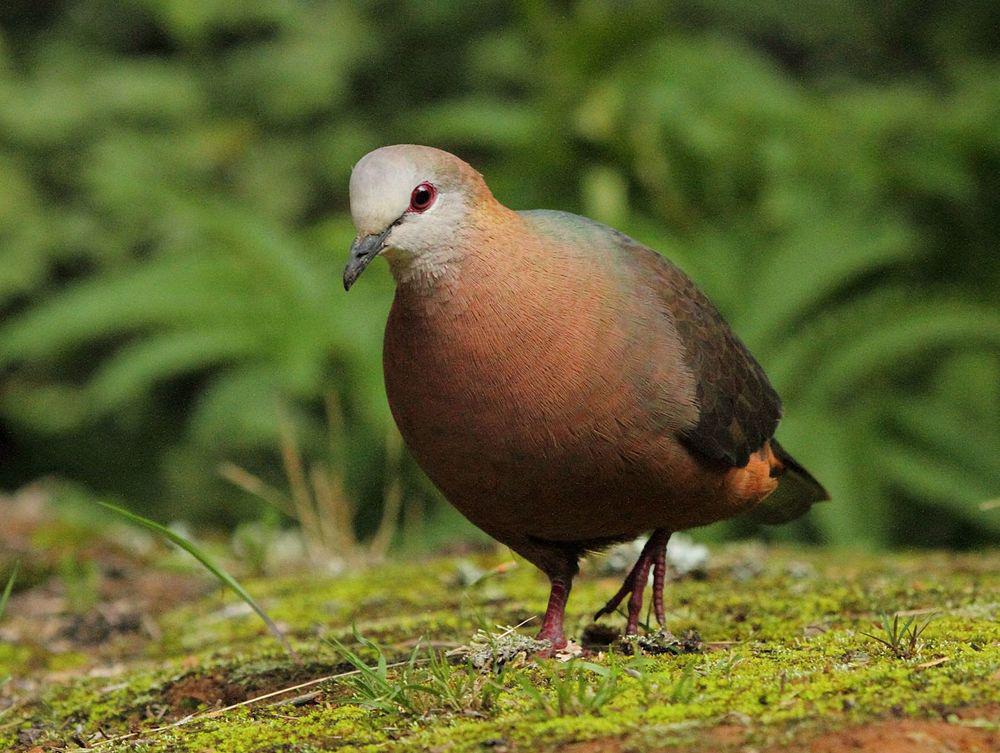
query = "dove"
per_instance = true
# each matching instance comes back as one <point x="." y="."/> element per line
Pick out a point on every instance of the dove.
<point x="565" y="387"/>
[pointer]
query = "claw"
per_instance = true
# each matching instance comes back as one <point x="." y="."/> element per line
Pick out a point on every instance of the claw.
<point x="653" y="557"/>
<point x="624" y="591"/>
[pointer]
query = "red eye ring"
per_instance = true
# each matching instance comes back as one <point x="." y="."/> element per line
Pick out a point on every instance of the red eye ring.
<point x="422" y="197"/>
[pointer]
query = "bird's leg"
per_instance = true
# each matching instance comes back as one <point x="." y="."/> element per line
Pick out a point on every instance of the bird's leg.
<point x="639" y="585"/>
<point x="653" y="557"/>
<point x="624" y="591"/>
<point x="659" y="576"/>
<point x="560" y="562"/>
<point x="552" y="622"/>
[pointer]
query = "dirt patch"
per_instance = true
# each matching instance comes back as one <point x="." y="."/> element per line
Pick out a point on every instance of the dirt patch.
<point x="913" y="736"/>
<point x="727" y="736"/>
<point x="77" y="591"/>
<point x="594" y="746"/>
<point x="213" y="689"/>
<point x="964" y="734"/>
<point x="195" y="691"/>
<point x="724" y="738"/>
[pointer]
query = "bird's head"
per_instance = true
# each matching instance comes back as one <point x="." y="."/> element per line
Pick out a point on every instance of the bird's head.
<point x="411" y="203"/>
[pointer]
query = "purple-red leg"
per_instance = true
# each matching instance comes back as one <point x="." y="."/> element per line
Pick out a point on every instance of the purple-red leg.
<point x="653" y="557"/>
<point x="659" y="576"/>
<point x="552" y="622"/>
<point x="635" y="601"/>
<point x="625" y="590"/>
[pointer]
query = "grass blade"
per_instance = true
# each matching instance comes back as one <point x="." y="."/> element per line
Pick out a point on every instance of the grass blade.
<point x="3" y="606"/>
<point x="8" y="588"/>
<point x="221" y="575"/>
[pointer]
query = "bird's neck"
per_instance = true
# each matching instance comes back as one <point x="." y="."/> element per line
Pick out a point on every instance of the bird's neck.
<point x="425" y="272"/>
<point x="475" y="254"/>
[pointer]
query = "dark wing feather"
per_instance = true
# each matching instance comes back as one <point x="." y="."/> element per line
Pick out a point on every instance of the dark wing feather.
<point x="738" y="408"/>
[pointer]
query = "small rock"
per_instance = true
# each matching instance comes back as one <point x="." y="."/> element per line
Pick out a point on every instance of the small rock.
<point x="29" y="736"/>
<point x="468" y="573"/>
<point x="747" y="569"/>
<point x="685" y="555"/>
<point x="737" y="717"/>
<point x="811" y="631"/>
<point x="799" y="570"/>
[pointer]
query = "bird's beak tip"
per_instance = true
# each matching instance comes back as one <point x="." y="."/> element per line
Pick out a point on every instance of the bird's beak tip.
<point x="363" y="250"/>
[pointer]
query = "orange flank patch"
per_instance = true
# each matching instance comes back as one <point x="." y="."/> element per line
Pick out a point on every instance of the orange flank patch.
<point x="749" y="485"/>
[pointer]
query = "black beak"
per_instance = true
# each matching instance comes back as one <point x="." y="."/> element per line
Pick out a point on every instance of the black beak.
<point x="363" y="250"/>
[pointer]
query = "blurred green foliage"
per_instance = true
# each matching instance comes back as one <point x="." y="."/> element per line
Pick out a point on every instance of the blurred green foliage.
<point x="173" y="223"/>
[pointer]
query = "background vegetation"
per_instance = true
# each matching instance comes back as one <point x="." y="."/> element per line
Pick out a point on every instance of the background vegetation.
<point x="173" y="225"/>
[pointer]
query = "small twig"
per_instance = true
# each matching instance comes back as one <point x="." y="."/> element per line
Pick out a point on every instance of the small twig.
<point x="510" y="630"/>
<point x="299" y="700"/>
<point x="933" y="662"/>
<point x="413" y="642"/>
<point x="13" y="722"/>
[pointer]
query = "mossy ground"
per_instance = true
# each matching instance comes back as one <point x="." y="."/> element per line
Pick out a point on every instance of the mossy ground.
<point x="781" y="654"/>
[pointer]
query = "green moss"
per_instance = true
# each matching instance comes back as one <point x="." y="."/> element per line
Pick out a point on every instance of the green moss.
<point x="783" y="648"/>
<point x="246" y="732"/>
<point x="13" y="658"/>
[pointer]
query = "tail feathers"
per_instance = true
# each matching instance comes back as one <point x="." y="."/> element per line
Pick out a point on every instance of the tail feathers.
<point x="797" y="491"/>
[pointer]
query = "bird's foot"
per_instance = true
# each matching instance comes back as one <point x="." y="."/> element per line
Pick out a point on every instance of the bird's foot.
<point x="653" y="557"/>
<point x="552" y="622"/>
<point x="554" y="637"/>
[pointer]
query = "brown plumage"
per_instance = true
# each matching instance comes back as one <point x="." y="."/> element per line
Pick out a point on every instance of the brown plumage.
<point x="564" y="386"/>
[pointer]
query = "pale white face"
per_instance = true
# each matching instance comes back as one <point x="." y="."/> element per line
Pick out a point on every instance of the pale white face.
<point x="381" y="185"/>
<point x="415" y="200"/>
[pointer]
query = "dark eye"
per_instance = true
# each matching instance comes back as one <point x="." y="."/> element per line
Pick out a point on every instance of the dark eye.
<point x="422" y="197"/>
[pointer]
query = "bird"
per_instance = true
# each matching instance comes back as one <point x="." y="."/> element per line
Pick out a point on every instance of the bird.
<point x="564" y="386"/>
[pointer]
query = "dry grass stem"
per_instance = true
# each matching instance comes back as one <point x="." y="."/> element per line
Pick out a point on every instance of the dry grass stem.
<point x="316" y="497"/>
